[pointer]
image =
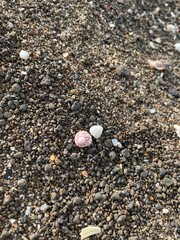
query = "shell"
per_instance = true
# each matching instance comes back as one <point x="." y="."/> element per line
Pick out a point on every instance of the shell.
<point x="96" y="131"/>
<point x="159" y="64"/>
<point x="89" y="231"/>
<point x="83" y="139"/>
<point x="172" y="28"/>
<point x="24" y="54"/>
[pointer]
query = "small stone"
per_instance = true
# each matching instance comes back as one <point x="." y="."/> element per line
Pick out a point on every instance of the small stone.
<point x="130" y="205"/>
<point x="24" y="54"/>
<point x="108" y="143"/>
<point x="121" y="218"/>
<point x="4" y="235"/>
<point x="51" y="106"/>
<point x="47" y="167"/>
<point x="177" y="47"/>
<point x="53" y="196"/>
<point x="144" y="174"/>
<point x="133" y="238"/>
<point x="18" y="155"/>
<point x="21" y="183"/>
<point x="74" y="156"/>
<point x="46" y="81"/>
<point x="7" y="199"/>
<point x="165" y="210"/>
<point x="76" y="219"/>
<point x="96" y="131"/>
<point x="77" y="201"/>
<point x="115" y="196"/>
<point x="174" y="92"/>
<point x="112" y="155"/>
<point x="7" y="115"/>
<point x="75" y="106"/>
<point x="125" y="153"/>
<point x="27" y="146"/>
<point x="2" y="122"/>
<point x="16" y="88"/>
<point x="122" y="72"/>
<point x="98" y="196"/>
<point x="23" y="107"/>
<point x="167" y="182"/>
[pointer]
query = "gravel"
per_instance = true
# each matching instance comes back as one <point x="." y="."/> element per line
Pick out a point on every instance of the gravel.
<point x="88" y="65"/>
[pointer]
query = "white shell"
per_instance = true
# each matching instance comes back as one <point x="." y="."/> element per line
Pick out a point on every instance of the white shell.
<point x="96" y="131"/>
<point x="24" y="54"/>
<point x="177" y="47"/>
<point x="114" y="142"/>
<point x="89" y="231"/>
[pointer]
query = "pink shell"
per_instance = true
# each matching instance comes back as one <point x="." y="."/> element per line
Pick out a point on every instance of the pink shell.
<point x="83" y="139"/>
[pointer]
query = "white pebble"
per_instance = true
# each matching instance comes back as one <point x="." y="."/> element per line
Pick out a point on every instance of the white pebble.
<point x="24" y="54"/>
<point x="43" y="207"/>
<point x="96" y="131"/>
<point x="28" y="210"/>
<point x="114" y="142"/>
<point x="165" y="210"/>
<point x="177" y="129"/>
<point x="177" y="47"/>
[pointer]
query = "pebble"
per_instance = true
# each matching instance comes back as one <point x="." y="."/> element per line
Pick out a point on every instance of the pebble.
<point x="115" y="196"/>
<point x="121" y="218"/>
<point x="74" y="156"/>
<point x="2" y="122"/>
<point x="7" y="115"/>
<point x="174" y="92"/>
<point x="125" y="153"/>
<point x="47" y="167"/>
<point x="133" y="238"/>
<point x="27" y="146"/>
<point x="23" y="107"/>
<point x="112" y="155"/>
<point x="18" y="155"/>
<point x="46" y="81"/>
<point x="16" y="88"/>
<point x="21" y="183"/>
<point x="76" y="219"/>
<point x="75" y="106"/>
<point x="77" y="201"/>
<point x="5" y="235"/>
<point x="7" y="199"/>
<point x="98" y="196"/>
<point x="167" y="182"/>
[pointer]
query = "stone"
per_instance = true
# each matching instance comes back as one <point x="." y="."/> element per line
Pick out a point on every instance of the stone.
<point x="115" y="196"/>
<point x="21" y="183"/>
<point x="96" y="131"/>
<point x="112" y="155"/>
<point x="98" y="196"/>
<point x="77" y="201"/>
<point x="7" y="115"/>
<point x="76" y="219"/>
<point x="46" y="81"/>
<point x="23" y="107"/>
<point x="121" y="219"/>
<point x="125" y="153"/>
<point x="133" y="238"/>
<point x="16" y="88"/>
<point x="24" y="54"/>
<point x="174" y="92"/>
<point x="27" y="146"/>
<point x="47" y="168"/>
<point x="75" y="106"/>
<point x="7" y="199"/>
<point x="167" y="182"/>
<point x="18" y="155"/>
<point x="2" y="122"/>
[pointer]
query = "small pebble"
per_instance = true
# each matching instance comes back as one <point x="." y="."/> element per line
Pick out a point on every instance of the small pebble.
<point x="77" y="201"/>
<point x="16" y="88"/>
